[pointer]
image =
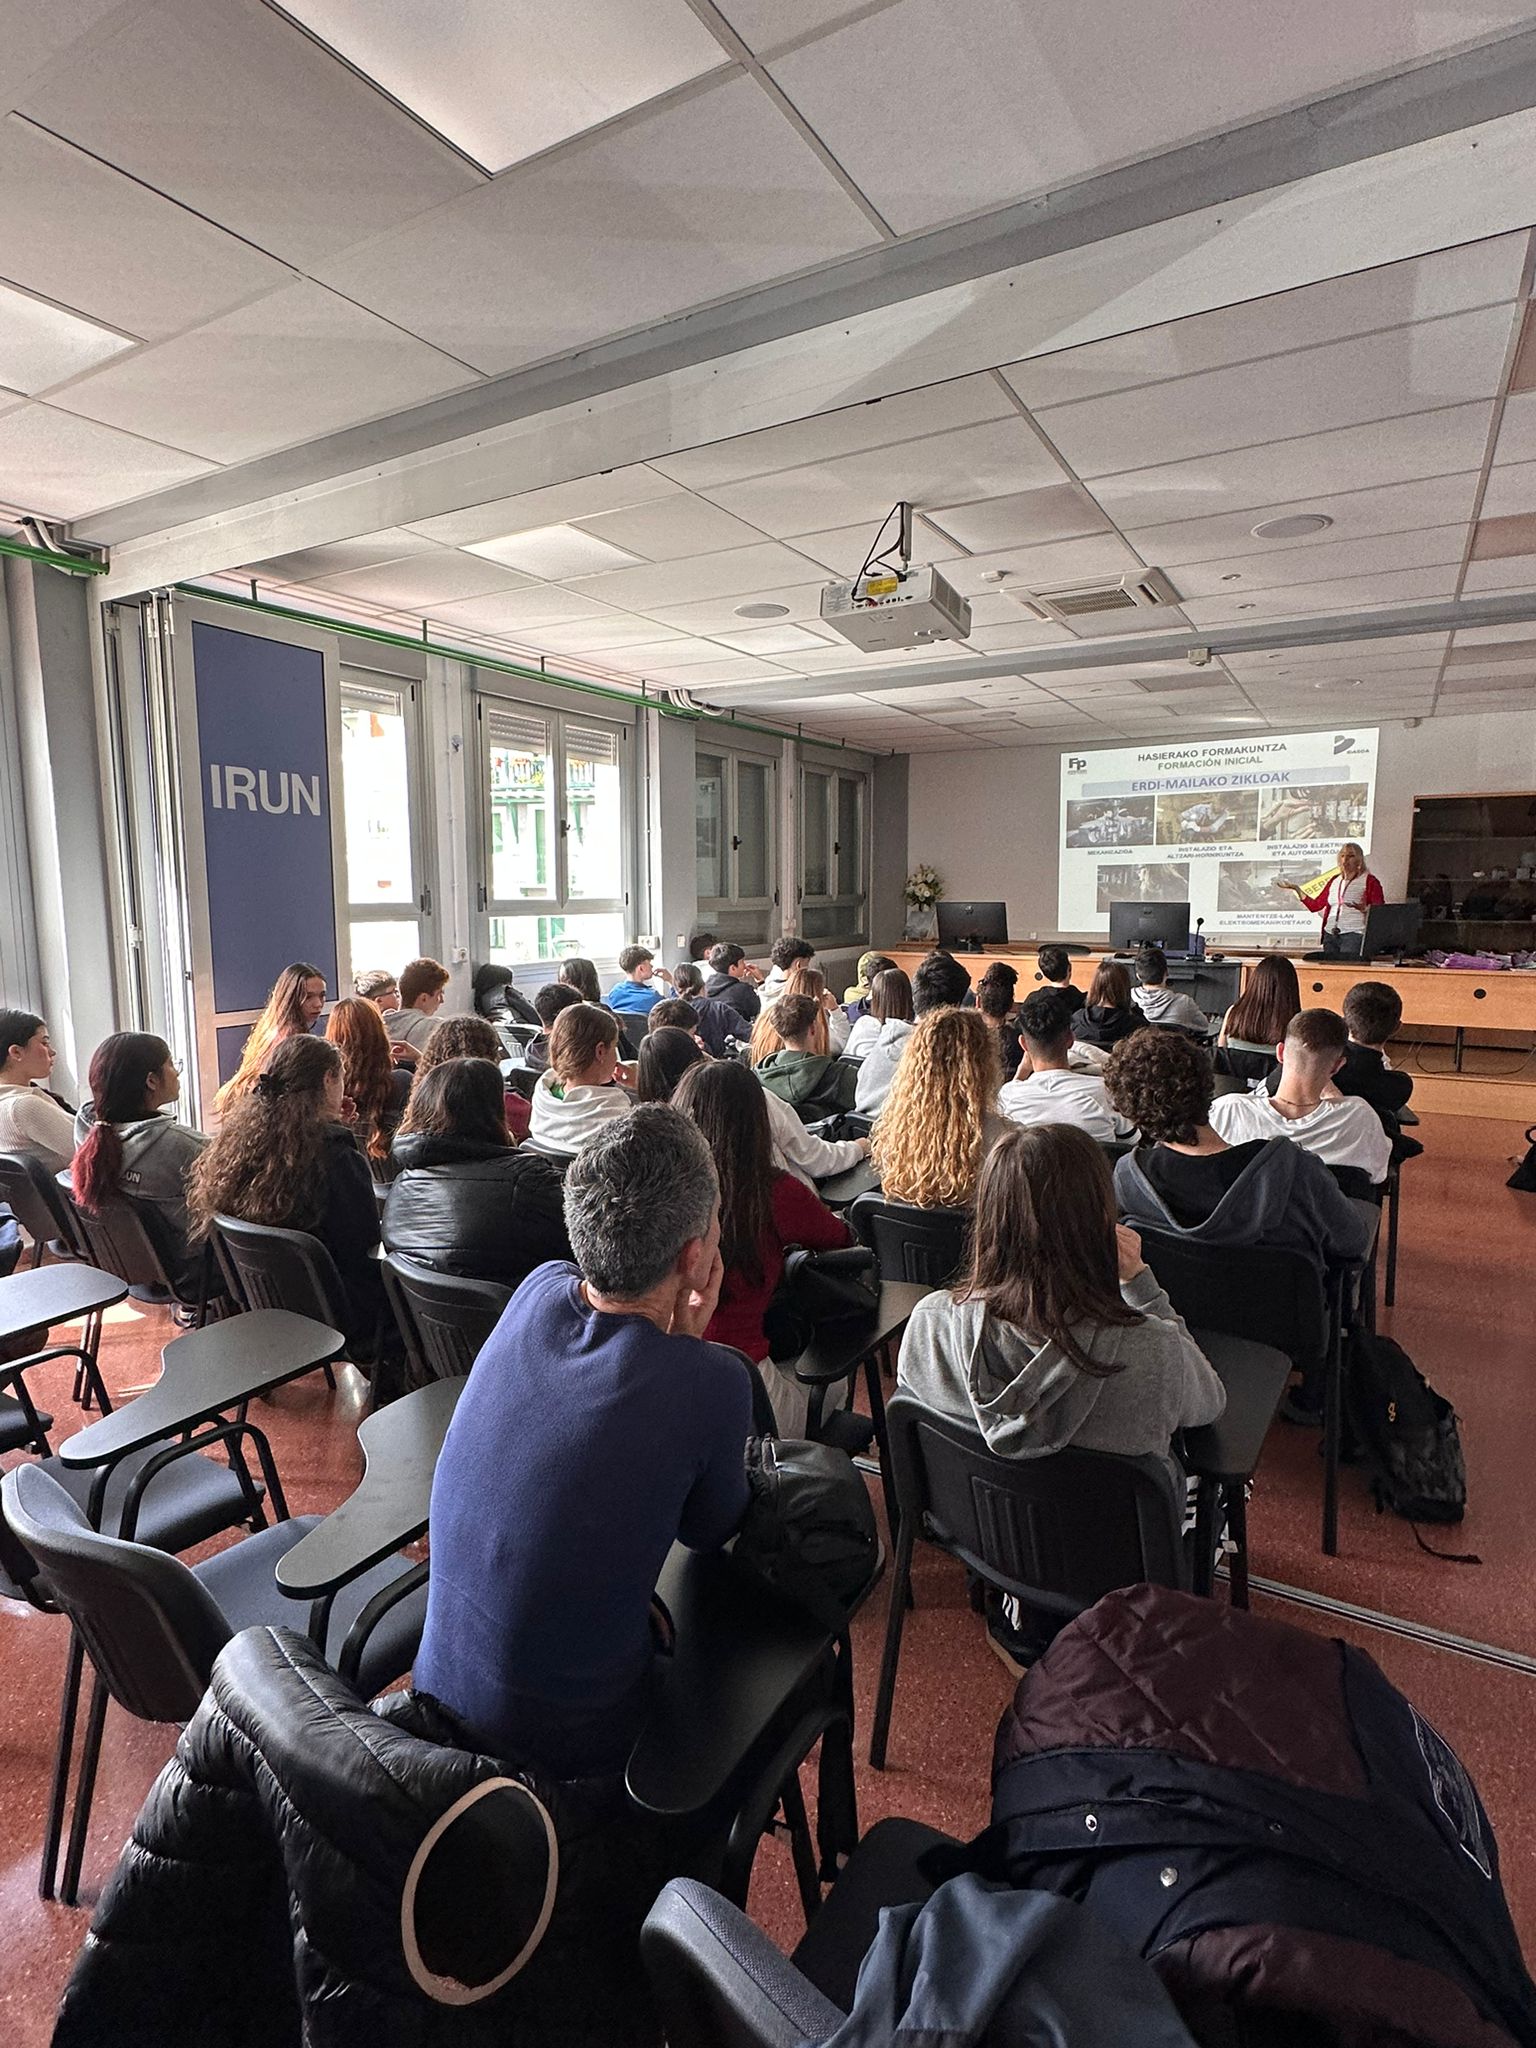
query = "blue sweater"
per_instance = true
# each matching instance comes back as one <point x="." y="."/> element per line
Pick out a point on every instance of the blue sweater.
<point x="633" y="998"/>
<point x="584" y="1445"/>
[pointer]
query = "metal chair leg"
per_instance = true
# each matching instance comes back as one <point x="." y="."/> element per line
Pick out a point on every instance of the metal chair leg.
<point x="53" y="1831"/>
<point x="1394" y="1191"/>
<point x="85" y="1792"/>
<point x="886" y="1692"/>
<point x="1237" y="1529"/>
<point x="798" y="1824"/>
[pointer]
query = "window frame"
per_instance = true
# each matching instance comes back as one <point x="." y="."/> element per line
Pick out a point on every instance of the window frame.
<point x="358" y="686"/>
<point x="853" y="928"/>
<point x="752" y="919"/>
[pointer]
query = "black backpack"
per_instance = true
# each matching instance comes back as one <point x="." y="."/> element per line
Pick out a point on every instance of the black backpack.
<point x="1406" y="1434"/>
<point x="809" y="1529"/>
<point x="1524" y="1175"/>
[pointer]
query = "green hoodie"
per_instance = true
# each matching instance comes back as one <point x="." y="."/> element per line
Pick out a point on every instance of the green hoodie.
<point x="803" y="1079"/>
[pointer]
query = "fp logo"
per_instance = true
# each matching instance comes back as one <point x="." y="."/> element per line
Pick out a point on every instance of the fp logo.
<point x="1076" y="761"/>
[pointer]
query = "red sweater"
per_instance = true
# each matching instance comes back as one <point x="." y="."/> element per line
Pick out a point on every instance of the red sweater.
<point x="799" y="1218"/>
<point x="1322" y="903"/>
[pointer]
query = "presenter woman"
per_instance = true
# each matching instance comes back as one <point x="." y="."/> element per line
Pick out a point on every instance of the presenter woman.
<point x="1341" y="898"/>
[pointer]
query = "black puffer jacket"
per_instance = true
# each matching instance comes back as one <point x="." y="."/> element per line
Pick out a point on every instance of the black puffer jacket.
<point x="480" y="1210"/>
<point x="280" y="1857"/>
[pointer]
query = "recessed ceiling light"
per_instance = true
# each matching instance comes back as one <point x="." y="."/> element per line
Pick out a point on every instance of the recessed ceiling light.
<point x="1292" y="527"/>
<point x="1247" y="607"/>
<point x="1235" y="576"/>
<point x="1339" y="683"/>
<point x="762" y="611"/>
<point x="554" y="552"/>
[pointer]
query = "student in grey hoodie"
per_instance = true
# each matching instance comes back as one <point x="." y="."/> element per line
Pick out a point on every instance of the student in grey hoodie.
<point x="1059" y="1333"/>
<point x="1157" y="1002"/>
<point x="128" y="1144"/>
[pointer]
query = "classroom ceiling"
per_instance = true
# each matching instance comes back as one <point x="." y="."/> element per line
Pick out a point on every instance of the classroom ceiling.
<point x="234" y="230"/>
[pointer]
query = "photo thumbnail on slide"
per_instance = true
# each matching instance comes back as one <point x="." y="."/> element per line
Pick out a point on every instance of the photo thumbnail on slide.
<point x="1150" y="882"/>
<point x="1215" y="823"/>
<point x="1205" y="816"/>
<point x="1113" y="823"/>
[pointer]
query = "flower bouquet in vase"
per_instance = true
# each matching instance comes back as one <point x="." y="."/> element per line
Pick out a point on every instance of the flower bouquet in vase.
<point x="922" y="891"/>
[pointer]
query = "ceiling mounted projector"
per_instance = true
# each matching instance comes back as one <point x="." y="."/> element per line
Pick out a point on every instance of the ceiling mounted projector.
<point x="888" y="607"/>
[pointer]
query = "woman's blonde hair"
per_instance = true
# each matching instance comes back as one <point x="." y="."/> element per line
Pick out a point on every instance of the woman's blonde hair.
<point x="793" y="1015"/>
<point x="282" y="1018"/>
<point x="928" y="1140"/>
<point x="576" y="1038"/>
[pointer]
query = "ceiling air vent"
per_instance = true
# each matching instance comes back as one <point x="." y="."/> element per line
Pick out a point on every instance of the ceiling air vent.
<point x="1093" y="600"/>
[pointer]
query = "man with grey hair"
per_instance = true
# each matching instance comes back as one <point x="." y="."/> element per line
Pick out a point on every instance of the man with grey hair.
<point x="597" y="1429"/>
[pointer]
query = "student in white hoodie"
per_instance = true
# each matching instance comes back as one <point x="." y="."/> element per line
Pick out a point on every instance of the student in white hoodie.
<point x="584" y="1087"/>
<point x="784" y="955"/>
<point x="1157" y="1002"/>
<point x="890" y="1000"/>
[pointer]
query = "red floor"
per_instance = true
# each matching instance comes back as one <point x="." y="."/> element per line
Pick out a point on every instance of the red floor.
<point x="1464" y="1312"/>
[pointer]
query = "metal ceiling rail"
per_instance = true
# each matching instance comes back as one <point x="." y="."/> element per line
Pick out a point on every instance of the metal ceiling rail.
<point x="72" y="565"/>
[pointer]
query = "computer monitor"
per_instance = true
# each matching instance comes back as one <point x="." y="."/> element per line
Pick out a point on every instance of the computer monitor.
<point x="1149" y="924"/>
<point x="970" y="926"/>
<point x="1391" y="928"/>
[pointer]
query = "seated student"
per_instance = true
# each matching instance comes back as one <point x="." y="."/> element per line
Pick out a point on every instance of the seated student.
<point x="1184" y="1177"/>
<point x="732" y="980"/>
<point x="805" y="980"/>
<point x="856" y="999"/>
<point x="939" y="983"/>
<point x="1109" y="1014"/>
<point x="378" y="986"/>
<point x="31" y="1120"/>
<point x="763" y="1210"/>
<point x="1258" y="1020"/>
<point x="473" y="1038"/>
<point x="721" y="1026"/>
<point x="581" y="975"/>
<point x="1047" y="1090"/>
<point x="665" y="1056"/>
<point x="496" y="996"/>
<point x="583" y="1087"/>
<point x="803" y="1072"/>
<point x="292" y="1009"/>
<point x="940" y="1119"/>
<point x="784" y="954"/>
<point x="284" y="1156"/>
<point x="890" y="1000"/>
<point x="422" y="983"/>
<point x="688" y="981"/>
<point x="1157" y="1002"/>
<point x="996" y="994"/>
<point x="1059" y="1333"/>
<point x="1305" y="1106"/>
<point x="375" y="1086"/>
<point x="597" y="1428"/>
<point x="637" y="992"/>
<point x="1373" y="1010"/>
<point x="463" y="1199"/>
<point x="127" y="1145"/>
<point x="550" y="1000"/>
<point x="1055" y="965"/>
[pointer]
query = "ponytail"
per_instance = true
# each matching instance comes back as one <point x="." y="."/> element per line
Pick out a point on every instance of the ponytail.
<point x="121" y="1068"/>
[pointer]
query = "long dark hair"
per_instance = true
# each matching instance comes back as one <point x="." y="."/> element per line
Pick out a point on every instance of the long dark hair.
<point x="666" y="1054"/>
<point x="1043" y="1250"/>
<point x="1111" y="987"/>
<point x="581" y="975"/>
<point x="357" y="1031"/>
<point x="726" y="1101"/>
<point x="121" y="1069"/>
<point x="17" y="1027"/>
<point x="995" y="991"/>
<point x="1262" y="1013"/>
<point x="461" y="1098"/>
<point x="267" y="1163"/>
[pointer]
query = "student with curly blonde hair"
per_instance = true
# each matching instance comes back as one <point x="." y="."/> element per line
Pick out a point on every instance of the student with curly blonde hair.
<point x="940" y="1119"/>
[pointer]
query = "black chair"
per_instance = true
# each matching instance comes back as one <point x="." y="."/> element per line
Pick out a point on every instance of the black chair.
<point x="270" y="1268"/>
<point x="1056" y="1533"/>
<point x="523" y="1080"/>
<point x="33" y="1197"/>
<point x="443" y="1317"/>
<point x="1117" y="1148"/>
<point x="127" y="1237"/>
<point x="1279" y="1298"/>
<point x="153" y="1626"/>
<point x="718" y="1980"/>
<point x="926" y="1246"/>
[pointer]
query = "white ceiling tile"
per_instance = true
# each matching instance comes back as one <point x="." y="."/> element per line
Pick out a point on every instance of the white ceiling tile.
<point x="1492" y="636"/>
<point x="555" y="552"/>
<point x="9" y="400"/>
<point x="36" y="36"/>
<point x="308" y="565"/>
<point x="1024" y="519"/>
<point x="877" y="423"/>
<point x="1017" y="100"/>
<point x="669" y="528"/>
<point x="1404" y="586"/>
<point x="744" y="571"/>
<point x="299" y="363"/>
<point x="518" y="611"/>
<point x="1517" y="429"/>
<point x="732" y="668"/>
<point x="842" y="551"/>
<point x="612" y="234"/>
<point x="65" y="467"/>
<point x="662" y="657"/>
<point x="1323" y="561"/>
<point x="1511" y="488"/>
<point x="436" y="578"/>
<point x="1356" y="515"/>
<point x="766" y="24"/>
<point x="1408" y="370"/>
<point x="1027" y="633"/>
<point x="1515" y="572"/>
<point x="718" y="614"/>
<point x="1450" y="281"/>
<point x="593" y="636"/>
<point x="79" y="232"/>
<point x="1428" y="444"/>
<point x="986" y="461"/>
<point x="781" y="638"/>
<point x="504" y="79"/>
<point x="581" y="498"/>
<point x="1047" y="568"/>
<point x="42" y="344"/>
<point x="328" y="162"/>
